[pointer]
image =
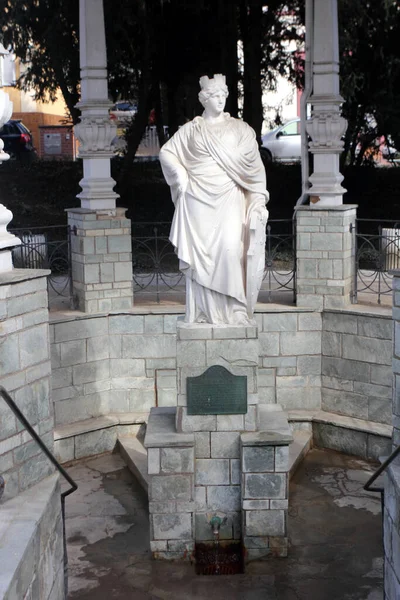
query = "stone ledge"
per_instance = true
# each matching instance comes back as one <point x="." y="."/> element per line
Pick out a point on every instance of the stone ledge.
<point x="320" y="416"/>
<point x="363" y="310"/>
<point x="81" y="427"/>
<point x="161" y="430"/>
<point x="22" y="524"/>
<point x="19" y="275"/>
<point x="60" y="316"/>
<point x="135" y="456"/>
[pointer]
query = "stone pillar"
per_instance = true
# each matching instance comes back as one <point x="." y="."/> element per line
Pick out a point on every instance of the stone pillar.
<point x="326" y="127"/>
<point x="170" y="463"/>
<point x="101" y="259"/>
<point x="95" y="131"/>
<point x="264" y="482"/>
<point x="325" y="256"/>
<point x="101" y="235"/>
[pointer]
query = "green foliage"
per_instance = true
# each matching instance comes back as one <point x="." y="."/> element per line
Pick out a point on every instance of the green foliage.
<point x="38" y="194"/>
<point x="43" y="34"/>
<point x="370" y="75"/>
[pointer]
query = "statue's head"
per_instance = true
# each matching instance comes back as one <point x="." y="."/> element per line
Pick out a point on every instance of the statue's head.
<point x="211" y="86"/>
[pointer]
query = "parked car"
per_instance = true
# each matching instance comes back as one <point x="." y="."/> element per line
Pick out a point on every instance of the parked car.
<point x="123" y="111"/>
<point x="18" y="141"/>
<point x="282" y="143"/>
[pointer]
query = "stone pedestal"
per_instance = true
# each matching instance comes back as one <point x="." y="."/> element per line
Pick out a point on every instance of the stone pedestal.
<point x="325" y="256"/>
<point x="200" y="346"/>
<point x="101" y="259"/>
<point x="217" y="464"/>
<point x="264" y="485"/>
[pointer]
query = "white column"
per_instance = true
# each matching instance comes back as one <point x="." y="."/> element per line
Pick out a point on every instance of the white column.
<point x="95" y="131"/>
<point x="7" y="240"/>
<point x="326" y="127"/>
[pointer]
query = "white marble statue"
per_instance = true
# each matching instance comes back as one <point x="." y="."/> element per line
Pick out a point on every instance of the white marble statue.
<point x="218" y="186"/>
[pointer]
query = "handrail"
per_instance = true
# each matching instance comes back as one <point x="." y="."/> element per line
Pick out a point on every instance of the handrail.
<point x="386" y="463"/>
<point x="43" y="447"/>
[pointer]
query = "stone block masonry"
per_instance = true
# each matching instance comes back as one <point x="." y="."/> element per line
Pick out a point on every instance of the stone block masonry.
<point x="325" y="256"/>
<point x="171" y="460"/>
<point x="264" y="465"/>
<point x="101" y="259"/>
<point x="25" y="372"/>
<point x="31" y="544"/>
<point x="289" y="370"/>
<point x="112" y="364"/>
<point x="357" y="365"/>
<point x="201" y="346"/>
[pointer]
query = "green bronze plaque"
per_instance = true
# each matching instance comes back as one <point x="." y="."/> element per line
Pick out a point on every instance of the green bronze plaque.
<point x="217" y="392"/>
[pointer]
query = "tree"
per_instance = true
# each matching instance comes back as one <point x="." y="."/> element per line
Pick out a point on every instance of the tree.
<point x="43" y="35"/>
<point x="370" y="76"/>
<point x="157" y="50"/>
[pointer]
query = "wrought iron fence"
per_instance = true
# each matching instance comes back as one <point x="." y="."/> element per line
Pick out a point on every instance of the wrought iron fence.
<point x="156" y="266"/>
<point x="47" y="248"/>
<point x="377" y="253"/>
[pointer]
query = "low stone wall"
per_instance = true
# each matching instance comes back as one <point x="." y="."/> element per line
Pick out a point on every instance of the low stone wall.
<point x="112" y="364"/>
<point x="357" y="364"/>
<point x="127" y="363"/>
<point x="25" y="371"/>
<point x="290" y="358"/>
<point x="391" y="528"/>
<point x="31" y="544"/>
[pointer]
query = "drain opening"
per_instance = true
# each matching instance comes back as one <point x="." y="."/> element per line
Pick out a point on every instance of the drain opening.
<point x="228" y="560"/>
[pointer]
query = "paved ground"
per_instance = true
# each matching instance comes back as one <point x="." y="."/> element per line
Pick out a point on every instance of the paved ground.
<point x="334" y="529"/>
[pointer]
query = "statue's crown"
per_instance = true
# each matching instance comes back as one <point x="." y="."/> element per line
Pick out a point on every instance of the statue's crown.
<point x="206" y="82"/>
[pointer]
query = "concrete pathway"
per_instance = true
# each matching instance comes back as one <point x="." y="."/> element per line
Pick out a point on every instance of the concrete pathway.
<point x="334" y="530"/>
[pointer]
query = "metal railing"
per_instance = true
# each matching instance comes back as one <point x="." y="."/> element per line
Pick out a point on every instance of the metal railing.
<point x="369" y="488"/>
<point x="22" y="419"/>
<point x="377" y="253"/>
<point x="47" y="248"/>
<point x="156" y="266"/>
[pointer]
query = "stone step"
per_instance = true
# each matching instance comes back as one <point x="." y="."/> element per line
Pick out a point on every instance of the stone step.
<point x="302" y="443"/>
<point x="135" y="456"/>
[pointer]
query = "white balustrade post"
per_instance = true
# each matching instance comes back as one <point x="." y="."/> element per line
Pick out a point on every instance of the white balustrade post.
<point x="7" y="240"/>
<point x="326" y="127"/>
<point x="95" y="131"/>
<point x="100" y="233"/>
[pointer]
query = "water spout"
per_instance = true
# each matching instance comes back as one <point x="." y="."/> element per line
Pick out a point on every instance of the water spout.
<point x="216" y="520"/>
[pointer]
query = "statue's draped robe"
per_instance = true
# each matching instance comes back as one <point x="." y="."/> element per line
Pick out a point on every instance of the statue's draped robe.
<point x="217" y="179"/>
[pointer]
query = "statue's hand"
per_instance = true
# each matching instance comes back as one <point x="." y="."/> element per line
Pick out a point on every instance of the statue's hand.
<point x="262" y="213"/>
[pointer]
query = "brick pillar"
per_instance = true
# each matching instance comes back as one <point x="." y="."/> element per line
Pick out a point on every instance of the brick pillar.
<point x="101" y="259"/>
<point x="264" y="468"/>
<point x="325" y="256"/>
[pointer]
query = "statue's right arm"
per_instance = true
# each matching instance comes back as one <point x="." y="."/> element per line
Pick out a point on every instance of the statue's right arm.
<point x="174" y="172"/>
